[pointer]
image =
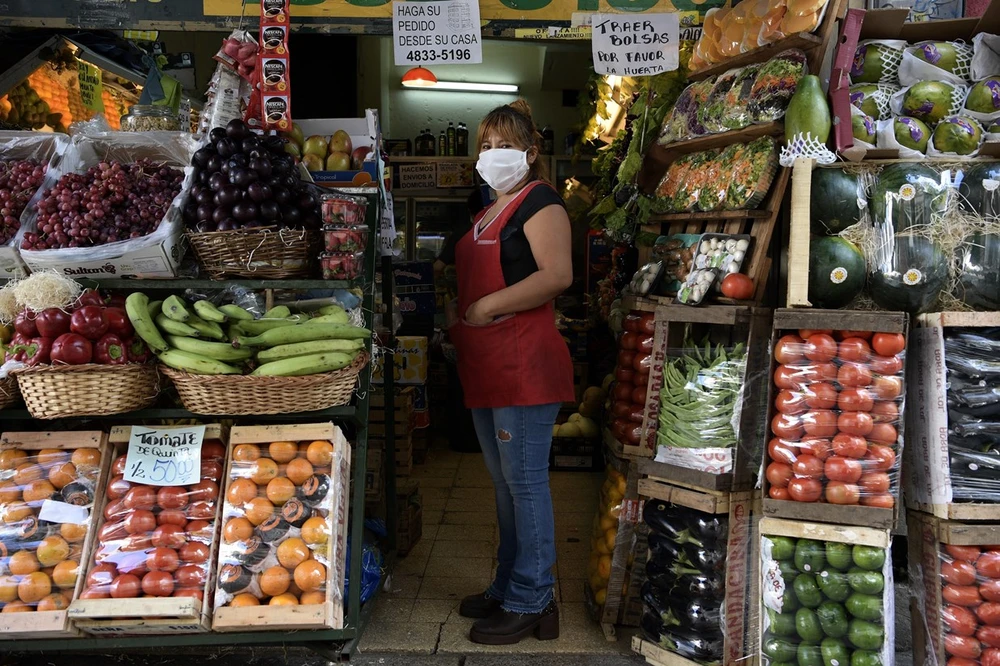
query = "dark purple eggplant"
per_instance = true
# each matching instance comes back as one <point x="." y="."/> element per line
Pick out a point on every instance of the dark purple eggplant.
<point x="701" y="615"/>
<point x="686" y="643"/>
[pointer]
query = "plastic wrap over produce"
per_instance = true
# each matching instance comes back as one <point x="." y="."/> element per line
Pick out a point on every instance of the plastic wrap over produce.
<point x="25" y="157"/>
<point x="611" y="543"/>
<point x="700" y="405"/>
<point x="685" y="588"/>
<point x="836" y="429"/>
<point x="826" y="602"/>
<point x="628" y="393"/>
<point x="46" y="500"/>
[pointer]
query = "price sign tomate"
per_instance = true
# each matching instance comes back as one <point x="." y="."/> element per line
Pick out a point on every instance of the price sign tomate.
<point x="441" y="32"/>
<point x="164" y="456"/>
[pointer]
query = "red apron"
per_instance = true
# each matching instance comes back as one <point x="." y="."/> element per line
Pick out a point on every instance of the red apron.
<point x="519" y="359"/>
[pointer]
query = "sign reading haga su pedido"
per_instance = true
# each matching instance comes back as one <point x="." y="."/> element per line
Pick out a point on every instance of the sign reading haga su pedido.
<point x="446" y="32"/>
<point x="631" y="45"/>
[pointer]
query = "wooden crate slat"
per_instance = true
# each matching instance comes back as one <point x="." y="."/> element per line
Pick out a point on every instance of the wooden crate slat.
<point x="865" y="536"/>
<point x="661" y="490"/>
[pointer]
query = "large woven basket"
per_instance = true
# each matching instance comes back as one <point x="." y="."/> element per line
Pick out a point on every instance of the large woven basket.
<point x="264" y="252"/>
<point x="8" y="392"/>
<point x="60" y="391"/>
<point x="235" y="395"/>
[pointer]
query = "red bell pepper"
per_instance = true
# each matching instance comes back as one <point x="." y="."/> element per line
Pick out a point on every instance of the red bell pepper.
<point x="118" y="322"/>
<point x="24" y="323"/>
<point x="110" y="350"/>
<point x="52" y="322"/>
<point x="37" y="351"/>
<point x="138" y="352"/>
<point x="71" y="349"/>
<point x="90" y="321"/>
<point x="15" y="349"/>
<point x="116" y="301"/>
<point x="89" y="297"/>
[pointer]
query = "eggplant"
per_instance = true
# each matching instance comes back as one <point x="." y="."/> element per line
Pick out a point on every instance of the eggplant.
<point x="984" y="428"/>
<point x="981" y="342"/>
<point x="651" y="625"/>
<point x="701" y="615"/>
<point x="654" y="599"/>
<point x="665" y="519"/>
<point x="684" y="642"/>
<point x="702" y="586"/>
<point x="710" y="529"/>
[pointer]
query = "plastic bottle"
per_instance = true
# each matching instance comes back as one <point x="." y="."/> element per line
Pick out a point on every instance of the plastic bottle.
<point x="442" y="144"/>
<point x="462" y="140"/>
<point x="452" y="151"/>
<point x="548" y="141"/>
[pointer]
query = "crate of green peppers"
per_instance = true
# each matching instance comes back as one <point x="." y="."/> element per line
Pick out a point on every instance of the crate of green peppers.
<point x="826" y="595"/>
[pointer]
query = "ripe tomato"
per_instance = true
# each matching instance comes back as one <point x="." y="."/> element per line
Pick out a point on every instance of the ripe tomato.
<point x="140" y="497"/>
<point x="839" y="468"/>
<point x="821" y="372"/>
<point x="856" y="400"/>
<point x="642" y="364"/>
<point x="990" y="657"/>
<point x="125" y="586"/>
<point x="623" y="392"/>
<point x="639" y="395"/>
<point x="883" y="433"/>
<point x="989" y="636"/>
<point x="850" y="446"/>
<point x="169" y="536"/>
<point x="631" y="323"/>
<point x="779" y="474"/>
<point x="989" y="613"/>
<point x="805" y="490"/>
<point x="789" y="350"/>
<point x="843" y="335"/>
<point x="990" y="589"/>
<point x="888" y="388"/>
<point x="962" y="595"/>
<point x="787" y="427"/>
<point x="820" y="423"/>
<point x="162" y="559"/>
<point x="158" y="584"/>
<point x="629" y="341"/>
<point x="819" y="448"/>
<point x="854" y="350"/>
<point x="988" y="565"/>
<point x="626" y="358"/>
<point x="856" y="423"/>
<point x="624" y="375"/>
<point x="808" y="467"/>
<point x="637" y="413"/>
<point x="821" y="395"/>
<point x="646" y="344"/>
<point x="838" y="492"/>
<point x="960" y="620"/>
<point x="118" y="466"/>
<point x="875" y="483"/>
<point x="140" y="522"/>
<point x="620" y="410"/>
<point x="203" y="491"/>
<point x="190" y="575"/>
<point x="854" y="375"/>
<point x="774" y="492"/>
<point x="962" y="646"/>
<point x="959" y="661"/>
<point x="885" y="411"/>
<point x="963" y="553"/>
<point x="788" y="402"/>
<point x="806" y="333"/>
<point x="779" y="451"/>
<point x="737" y="286"/>
<point x="886" y="365"/>
<point x="880" y="458"/>
<point x="821" y="348"/>
<point x="787" y="377"/>
<point x="879" y="501"/>
<point x="172" y="497"/>
<point x="647" y="323"/>
<point x="888" y="344"/>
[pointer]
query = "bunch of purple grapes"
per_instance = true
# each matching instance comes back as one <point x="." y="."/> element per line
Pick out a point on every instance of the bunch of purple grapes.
<point x="110" y="202"/>
<point x="18" y="181"/>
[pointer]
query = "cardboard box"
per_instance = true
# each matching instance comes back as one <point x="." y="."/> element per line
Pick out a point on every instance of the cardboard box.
<point x="569" y="454"/>
<point x="365" y="133"/>
<point x="413" y="283"/>
<point x="410" y="360"/>
<point x="374" y="474"/>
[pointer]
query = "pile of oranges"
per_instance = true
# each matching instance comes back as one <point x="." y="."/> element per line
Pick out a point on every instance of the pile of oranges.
<point x="52" y="98"/>
<point x="40" y="560"/>
<point x="605" y="534"/>
<point x="277" y="525"/>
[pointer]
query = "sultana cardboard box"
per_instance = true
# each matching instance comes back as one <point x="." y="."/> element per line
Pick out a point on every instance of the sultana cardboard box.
<point x="411" y="361"/>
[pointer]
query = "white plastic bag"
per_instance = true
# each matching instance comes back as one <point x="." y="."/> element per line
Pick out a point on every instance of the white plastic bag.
<point x="985" y="56"/>
<point x="913" y="69"/>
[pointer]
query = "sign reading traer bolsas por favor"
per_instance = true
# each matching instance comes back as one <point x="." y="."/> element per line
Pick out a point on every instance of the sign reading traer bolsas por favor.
<point x="626" y="45"/>
<point x="445" y="32"/>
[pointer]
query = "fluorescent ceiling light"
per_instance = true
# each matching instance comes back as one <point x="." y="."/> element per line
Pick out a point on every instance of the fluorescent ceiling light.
<point x="473" y="87"/>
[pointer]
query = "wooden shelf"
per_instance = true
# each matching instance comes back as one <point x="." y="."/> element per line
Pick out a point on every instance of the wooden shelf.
<point x="339" y="413"/>
<point x="721" y="140"/>
<point x="182" y="283"/>
<point x="800" y="40"/>
<point x="710" y="216"/>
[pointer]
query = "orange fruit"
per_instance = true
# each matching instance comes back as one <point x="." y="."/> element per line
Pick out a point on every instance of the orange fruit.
<point x="283" y="600"/>
<point x="51" y="456"/>
<point x="28" y="472"/>
<point x="241" y="491"/>
<point x="320" y="453"/>
<point x="263" y="470"/>
<point x="237" y="529"/>
<point x="65" y="574"/>
<point x="52" y="602"/>
<point x="34" y="587"/>
<point x="311" y="598"/>
<point x="245" y="599"/>
<point x="315" y="531"/>
<point x="15" y="512"/>
<point x="87" y="457"/>
<point x="283" y="451"/>
<point x="62" y="475"/>
<point x="310" y="575"/>
<point x="23" y="563"/>
<point x="11" y="458"/>
<point x="258" y="510"/>
<point x="9" y="492"/>
<point x="274" y="581"/>
<point x="246" y="452"/>
<point x="8" y="589"/>
<point x="280" y="490"/>
<point x="52" y="550"/>
<point x="37" y="491"/>
<point x="299" y="470"/>
<point x="293" y="552"/>
<point x="17" y="607"/>
<point x="73" y="533"/>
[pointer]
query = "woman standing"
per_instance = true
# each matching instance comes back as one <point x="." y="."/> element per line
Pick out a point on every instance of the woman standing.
<point x="515" y="368"/>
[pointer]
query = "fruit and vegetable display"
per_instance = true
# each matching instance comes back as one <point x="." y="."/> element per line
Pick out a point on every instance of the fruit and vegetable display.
<point x="837" y="418"/>
<point x="604" y="535"/>
<point x="702" y="385"/>
<point x="24" y="160"/>
<point x="581" y="424"/>
<point x="737" y="177"/>
<point x="283" y="502"/>
<point x="345" y="235"/>
<point x="713" y="269"/>
<point x="244" y="181"/>
<point x="676" y="252"/>
<point x="826" y="602"/>
<point x="335" y="152"/>
<point x="730" y="31"/>
<point x="46" y="496"/>
<point x="685" y="587"/>
<point x="736" y="99"/>
<point x="631" y="380"/>
<point x="156" y="540"/>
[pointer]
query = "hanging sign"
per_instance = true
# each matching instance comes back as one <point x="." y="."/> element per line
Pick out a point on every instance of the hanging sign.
<point x="91" y="86"/>
<point x="643" y="45"/>
<point x="164" y="456"/>
<point x="443" y="32"/>
<point x="387" y="229"/>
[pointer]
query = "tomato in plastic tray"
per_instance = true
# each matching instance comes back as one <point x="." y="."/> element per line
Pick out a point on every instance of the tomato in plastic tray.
<point x="342" y="265"/>
<point x="345" y="238"/>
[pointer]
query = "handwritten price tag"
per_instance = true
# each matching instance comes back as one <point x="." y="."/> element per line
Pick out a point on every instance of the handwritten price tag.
<point x="165" y="456"/>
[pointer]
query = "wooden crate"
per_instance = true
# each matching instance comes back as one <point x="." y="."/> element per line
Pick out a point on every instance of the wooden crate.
<point x="58" y="624"/>
<point x="149" y="615"/>
<point x="928" y="460"/>
<point x="327" y="615"/>
<point x="789" y="320"/>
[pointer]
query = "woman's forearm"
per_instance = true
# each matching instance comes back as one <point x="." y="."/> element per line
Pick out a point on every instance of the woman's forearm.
<point x="537" y="289"/>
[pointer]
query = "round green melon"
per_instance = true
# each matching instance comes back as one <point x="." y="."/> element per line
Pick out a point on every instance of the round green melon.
<point x="910" y="206"/>
<point x="979" y="282"/>
<point x="911" y="133"/>
<point x="940" y="54"/>
<point x="994" y="127"/>
<point x="869" y="63"/>
<point x="910" y="276"/>
<point x="836" y="271"/>
<point x="864" y="96"/>
<point x="977" y="197"/>
<point x="984" y="96"/>
<point x="837" y="201"/>
<point x="958" y="134"/>
<point x="929" y="101"/>
<point x="863" y="128"/>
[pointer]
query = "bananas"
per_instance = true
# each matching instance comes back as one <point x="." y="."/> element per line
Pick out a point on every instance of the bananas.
<point x="172" y="327"/>
<point x="312" y="364"/>
<point x="278" y="312"/>
<point x="290" y="334"/>
<point x="336" y="318"/>
<point x="137" y="309"/>
<point x="219" y="351"/>
<point x="258" y="326"/>
<point x="174" y="308"/>
<point x="307" y="348"/>
<point x="207" y="311"/>
<point x="209" y="329"/>
<point x="235" y="312"/>
<point x="195" y="364"/>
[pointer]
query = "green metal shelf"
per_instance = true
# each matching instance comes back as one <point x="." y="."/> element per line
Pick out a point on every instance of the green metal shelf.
<point x="340" y="413"/>
<point x="182" y="283"/>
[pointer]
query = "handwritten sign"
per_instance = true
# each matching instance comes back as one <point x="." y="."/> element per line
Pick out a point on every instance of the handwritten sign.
<point x="91" y="86"/>
<point x="443" y="32"/>
<point x="164" y="456"/>
<point x="625" y="45"/>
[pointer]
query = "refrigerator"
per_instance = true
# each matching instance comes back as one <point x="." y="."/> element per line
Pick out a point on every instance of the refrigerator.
<point x="425" y="223"/>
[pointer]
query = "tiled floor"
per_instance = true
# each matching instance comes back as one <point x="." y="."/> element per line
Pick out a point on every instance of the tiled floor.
<point x="456" y="557"/>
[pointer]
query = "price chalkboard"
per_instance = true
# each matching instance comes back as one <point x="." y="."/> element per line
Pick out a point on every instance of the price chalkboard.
<point x="164" y="456"/>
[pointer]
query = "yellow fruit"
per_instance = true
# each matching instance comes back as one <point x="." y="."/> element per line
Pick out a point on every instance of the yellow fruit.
<point x="284" y="600"/>
<point x="609" y="538"/>
<point x="604" y="567"/>
<point x="607" y="522"/>
<point x="602" y="547"/>
<point x="601" y="597"/>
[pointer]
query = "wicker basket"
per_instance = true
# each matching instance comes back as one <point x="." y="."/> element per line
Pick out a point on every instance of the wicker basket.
<point x="61" y="391"/>
<point x="8" y="392"/>
<point x="235" y="395"/>
<point x="265" y="252"/>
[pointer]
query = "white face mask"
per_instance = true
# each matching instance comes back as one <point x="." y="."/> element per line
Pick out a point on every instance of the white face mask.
<point x="503" y="168"/>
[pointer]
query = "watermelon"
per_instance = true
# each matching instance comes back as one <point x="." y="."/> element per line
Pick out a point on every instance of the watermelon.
<point x="909" y="275"/>
<point x="979" y="282"/>
<point x="837" y="201"/>
<point x="836" y="271"/>
<point x="905" y="207"/>
<point x="976" y="198"/>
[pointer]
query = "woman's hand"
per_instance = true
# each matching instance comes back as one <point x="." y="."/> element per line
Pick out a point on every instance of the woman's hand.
<point x="478" y="313"/>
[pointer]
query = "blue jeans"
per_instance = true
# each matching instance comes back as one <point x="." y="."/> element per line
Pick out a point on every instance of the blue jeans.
<point x="516" y="443"/>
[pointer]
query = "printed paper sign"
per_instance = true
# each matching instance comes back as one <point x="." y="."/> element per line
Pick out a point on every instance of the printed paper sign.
<point x="444" y="32"/>
<point x="165" y="456"/>
<point x="417" y="176"/>
<point x="61" y="512"/>
<point x="626" y="45"/>
<point x="91" y="86"/>
<point x="387" y="229"/>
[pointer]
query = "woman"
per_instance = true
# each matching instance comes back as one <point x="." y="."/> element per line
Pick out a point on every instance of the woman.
<point x="515" y="368"/>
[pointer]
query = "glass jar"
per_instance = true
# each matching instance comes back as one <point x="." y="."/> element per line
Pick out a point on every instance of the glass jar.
<point x="149" y="118"/>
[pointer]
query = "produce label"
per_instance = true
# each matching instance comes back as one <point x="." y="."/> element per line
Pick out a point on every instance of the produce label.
<point x="63" y="513"/>
<point x="444" y="32"/>
<point x="91" y="86"/>
<point x="165" y="456"/>
<point x="626" y="45"/>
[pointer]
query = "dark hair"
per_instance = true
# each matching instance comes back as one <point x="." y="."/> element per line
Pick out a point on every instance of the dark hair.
<point x="513" y="122"/>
